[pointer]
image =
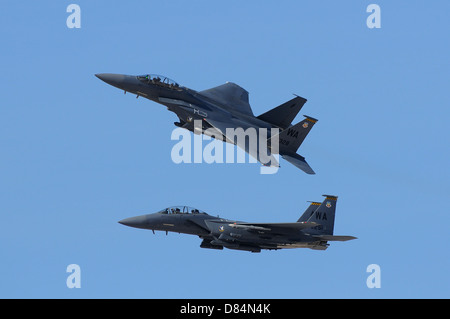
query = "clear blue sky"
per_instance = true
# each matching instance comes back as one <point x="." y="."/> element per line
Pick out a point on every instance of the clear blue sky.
<point x="76" y="155"/>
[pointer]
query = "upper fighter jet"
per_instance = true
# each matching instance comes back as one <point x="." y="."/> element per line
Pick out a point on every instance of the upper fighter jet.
<point x="221" y="110"/>
<point x="312" y="230"/>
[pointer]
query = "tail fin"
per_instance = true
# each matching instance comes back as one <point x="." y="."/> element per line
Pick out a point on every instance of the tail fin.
<point x="324" y="215"/>
<point x="308" y="212"/>
<point x="283" y="115"/>
<point x="299" y="162"/>
<point x="290" y="139"/>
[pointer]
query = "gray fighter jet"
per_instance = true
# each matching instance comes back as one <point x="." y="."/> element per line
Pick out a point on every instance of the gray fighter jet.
<point x="224" y="113"/>
<point x="314" y="229"/>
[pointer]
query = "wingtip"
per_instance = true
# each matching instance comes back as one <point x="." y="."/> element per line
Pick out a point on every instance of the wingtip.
<point x="333" y="197"/>
<point x="300" y="97"/>
<point x="311" y="119"/>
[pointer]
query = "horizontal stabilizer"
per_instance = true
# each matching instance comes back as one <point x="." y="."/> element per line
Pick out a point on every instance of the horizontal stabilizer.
<point x="299" y="162"/>
<point x="334" y="238"/>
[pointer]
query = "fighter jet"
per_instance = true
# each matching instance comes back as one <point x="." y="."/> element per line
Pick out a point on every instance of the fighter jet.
<point x="221" y="111"/>
<point x="314" y="229"/>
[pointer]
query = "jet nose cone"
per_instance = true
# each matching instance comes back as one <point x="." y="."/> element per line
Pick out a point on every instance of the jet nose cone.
<point x="111" y="78"/>
<point x="137" y="222"/>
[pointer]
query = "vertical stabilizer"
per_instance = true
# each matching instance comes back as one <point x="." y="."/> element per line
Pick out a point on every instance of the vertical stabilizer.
<point x="308" y="212"/>
<point x="324" y="215"/>
<point x="283" y="115"/>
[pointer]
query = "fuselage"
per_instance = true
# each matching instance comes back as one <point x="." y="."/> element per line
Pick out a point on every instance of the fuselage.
<point x="189" y="105"/>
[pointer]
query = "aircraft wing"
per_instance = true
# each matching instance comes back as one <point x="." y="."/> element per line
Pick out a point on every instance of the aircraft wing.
<point x="274" y="227"/>
<point x="230" y="95"/>
<point x="334" y="238"/>
<point x="250" y="148"/>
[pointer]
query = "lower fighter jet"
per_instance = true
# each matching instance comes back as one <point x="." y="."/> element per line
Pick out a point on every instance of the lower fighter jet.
<point x="223" y="112"/>
<point x="314" y="229"/>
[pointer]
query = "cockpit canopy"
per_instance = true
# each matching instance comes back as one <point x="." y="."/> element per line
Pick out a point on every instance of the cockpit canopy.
<point x="158" y="79"/>
<point x="181" y="210"/>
